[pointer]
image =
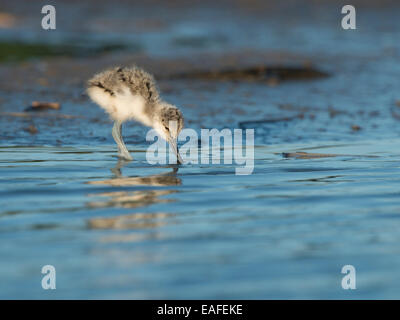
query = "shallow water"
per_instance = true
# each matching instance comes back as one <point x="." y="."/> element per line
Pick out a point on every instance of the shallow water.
<point x="133" y="230"/>
<point x="201" y="232"/>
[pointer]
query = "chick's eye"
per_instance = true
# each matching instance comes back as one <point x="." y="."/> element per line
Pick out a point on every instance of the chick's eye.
<point x="166" y="128"/>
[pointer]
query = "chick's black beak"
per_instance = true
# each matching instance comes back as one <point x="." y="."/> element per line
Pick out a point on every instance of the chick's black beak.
<point x="173" y="143"/>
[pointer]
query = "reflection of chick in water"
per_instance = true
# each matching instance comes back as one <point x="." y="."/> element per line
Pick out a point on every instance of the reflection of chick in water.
<point x="130" y="221"/>
<point x="162" y="179"/>
<point x="134" y="199"/>
<point x="130" y="199"/>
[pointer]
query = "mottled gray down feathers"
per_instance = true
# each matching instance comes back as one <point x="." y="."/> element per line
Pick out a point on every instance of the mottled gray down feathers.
<point x="171" y="114"/>
<point x="136" y="79"/>
<point x="114" y="82"/>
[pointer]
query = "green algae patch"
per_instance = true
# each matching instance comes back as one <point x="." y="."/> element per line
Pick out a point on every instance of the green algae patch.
<point x="21" y="51"/>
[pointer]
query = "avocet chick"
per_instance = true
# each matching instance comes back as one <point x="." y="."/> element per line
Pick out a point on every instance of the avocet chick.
<point x="131" y="94"/>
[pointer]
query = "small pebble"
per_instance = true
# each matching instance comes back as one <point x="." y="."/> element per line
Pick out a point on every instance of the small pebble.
<point x="40" y="106"/>
<point x="32" y="129"/>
